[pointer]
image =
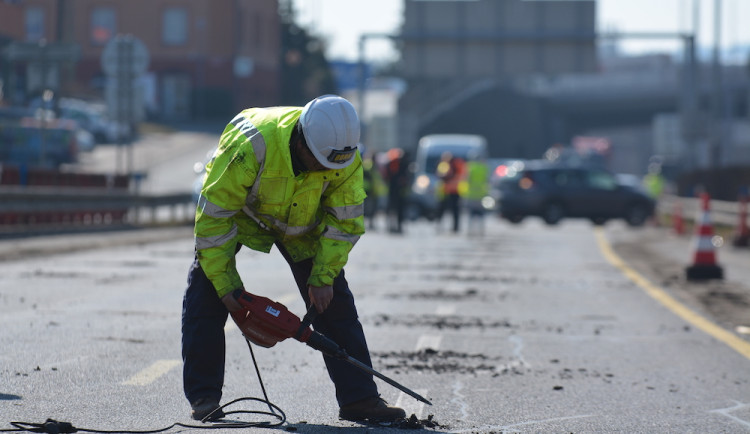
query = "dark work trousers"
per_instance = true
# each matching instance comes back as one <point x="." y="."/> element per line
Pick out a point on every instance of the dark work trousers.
<point x="452" y="202"/>
<point x="203" y="344"/>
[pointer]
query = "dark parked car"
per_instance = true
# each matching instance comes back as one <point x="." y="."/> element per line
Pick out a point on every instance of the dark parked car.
<point x="556" y="192"/>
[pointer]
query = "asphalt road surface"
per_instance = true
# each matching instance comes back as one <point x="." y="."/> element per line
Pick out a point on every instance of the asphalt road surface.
<point x="527" y="329"/>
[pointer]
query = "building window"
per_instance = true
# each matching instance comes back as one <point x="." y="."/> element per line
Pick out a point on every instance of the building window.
<point x="103" y="25"/>
<point x="34" y="22"/>
<point x="174" y="26"/>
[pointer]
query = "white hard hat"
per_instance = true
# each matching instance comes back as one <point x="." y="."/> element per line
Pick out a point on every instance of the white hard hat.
<point x="331" y="129"/>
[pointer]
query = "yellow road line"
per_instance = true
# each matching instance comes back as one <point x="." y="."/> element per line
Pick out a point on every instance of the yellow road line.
<point x="152" y="373"/>
<point x="734" y="342"/>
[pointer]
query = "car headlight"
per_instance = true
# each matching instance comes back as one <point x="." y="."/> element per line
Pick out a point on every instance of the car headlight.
<point x="421" y="184"/>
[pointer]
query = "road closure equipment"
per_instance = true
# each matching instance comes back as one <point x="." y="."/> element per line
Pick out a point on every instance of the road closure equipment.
<point x="265" y="322"/>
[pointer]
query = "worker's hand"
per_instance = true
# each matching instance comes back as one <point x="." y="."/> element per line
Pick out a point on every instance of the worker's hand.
<point x="231" y="303"/>
<point x="320" y="296"/>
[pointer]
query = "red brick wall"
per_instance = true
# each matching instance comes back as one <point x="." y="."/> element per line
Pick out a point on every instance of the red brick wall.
<point x="218" y="31"/>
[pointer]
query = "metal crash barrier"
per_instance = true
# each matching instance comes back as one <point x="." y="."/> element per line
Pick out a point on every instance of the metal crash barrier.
<point x="37" y="208"/>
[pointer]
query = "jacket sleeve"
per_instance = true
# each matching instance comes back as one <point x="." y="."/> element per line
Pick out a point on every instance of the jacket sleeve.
<point x="228" y="177"/>
<point x="344" y="224"/>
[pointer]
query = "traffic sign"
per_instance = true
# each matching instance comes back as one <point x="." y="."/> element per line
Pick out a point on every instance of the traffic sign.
<point x="125" y="101"/>
<point x="125" y="54"/>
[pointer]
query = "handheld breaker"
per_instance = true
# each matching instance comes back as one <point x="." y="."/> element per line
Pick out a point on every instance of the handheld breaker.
<point x="265" y="322"/>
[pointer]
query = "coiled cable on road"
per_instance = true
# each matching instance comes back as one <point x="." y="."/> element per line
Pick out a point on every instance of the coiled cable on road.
<point x="51" y="426"/>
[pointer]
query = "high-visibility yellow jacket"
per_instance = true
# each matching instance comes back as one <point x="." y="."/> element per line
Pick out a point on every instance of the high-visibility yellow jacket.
<point x="251" y="196"/>
<point x="477" y="181"/>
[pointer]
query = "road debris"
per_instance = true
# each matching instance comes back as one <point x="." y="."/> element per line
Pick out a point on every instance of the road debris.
<point x="413" y="422"/>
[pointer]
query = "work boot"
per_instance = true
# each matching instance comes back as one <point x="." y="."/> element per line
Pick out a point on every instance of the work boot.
<point x="205" y="406"/>
<point x="373" y="409"/>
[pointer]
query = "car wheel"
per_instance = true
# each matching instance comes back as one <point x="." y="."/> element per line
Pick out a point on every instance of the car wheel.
<point x="599" y="221"/>
<point x="515" y="218"/>
<point x="636" y="215"/>
<point x="553" y="213"/>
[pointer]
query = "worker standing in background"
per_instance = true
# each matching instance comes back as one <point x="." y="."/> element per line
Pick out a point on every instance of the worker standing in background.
<point x="397" y="177"/>
<point x="477" y="187"/>
<point x="374" y="185"/>
<point x="654" y="183"/>
<point x="289" y="177"/>
<point x="451" y="171"/>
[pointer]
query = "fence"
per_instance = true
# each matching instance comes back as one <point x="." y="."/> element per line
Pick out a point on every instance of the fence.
<point x="724" y="213"/>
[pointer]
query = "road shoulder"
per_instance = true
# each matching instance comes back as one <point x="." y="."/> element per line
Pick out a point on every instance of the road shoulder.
<point x="662" y="257"/>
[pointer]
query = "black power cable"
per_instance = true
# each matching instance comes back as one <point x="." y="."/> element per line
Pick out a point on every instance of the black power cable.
<point x="52" y="426"/>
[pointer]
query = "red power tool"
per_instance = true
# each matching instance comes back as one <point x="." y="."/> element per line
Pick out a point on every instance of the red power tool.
<point x="265" y="322"/>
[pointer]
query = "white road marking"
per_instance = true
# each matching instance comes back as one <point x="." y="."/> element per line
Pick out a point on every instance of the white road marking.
<point x="738" y="406"/>
<point x="406" y="401"/>
<point x="431" y="342"/>
<point x="411" y="405"/>
<point x="152" y="373"/>
<point x="445" y="310"/>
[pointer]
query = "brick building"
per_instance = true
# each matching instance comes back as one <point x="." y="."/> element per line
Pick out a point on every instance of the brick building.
<point x="207" y="58"/>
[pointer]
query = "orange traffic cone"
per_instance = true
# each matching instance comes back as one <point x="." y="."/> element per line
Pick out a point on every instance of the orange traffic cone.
<point x="742" y="235"/>
<point x="677" y="223"/>
<point x="704" y="259"/>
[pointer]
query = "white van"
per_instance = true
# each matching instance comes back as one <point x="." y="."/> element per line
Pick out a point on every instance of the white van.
<point x="423" y="201"/>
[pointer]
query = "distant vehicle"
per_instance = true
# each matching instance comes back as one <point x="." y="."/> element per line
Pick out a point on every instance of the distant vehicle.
<point x="555" y="192"/>
<point x="500" y="168"/>
<point x="90" y="116"/>
<point x="35" y="143"/>
<point x="423" y="201"/>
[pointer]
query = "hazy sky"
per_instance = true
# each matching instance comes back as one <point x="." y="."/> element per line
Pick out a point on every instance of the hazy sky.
<point x="342" y="21"/>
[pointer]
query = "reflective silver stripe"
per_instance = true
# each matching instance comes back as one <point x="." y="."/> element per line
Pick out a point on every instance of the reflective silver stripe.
<point x="347" y="212"/>
<point x="259" y="148"/>
<point x="251" y="132"/>
<point x="246" y="209"/>
<point x="215" y="241"/>
<point x="337" y="235"/>
<point x="299" y="230"/>
<point x="213" y="210"/>
<point x="278" y="225"/>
